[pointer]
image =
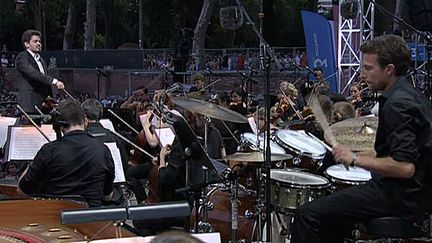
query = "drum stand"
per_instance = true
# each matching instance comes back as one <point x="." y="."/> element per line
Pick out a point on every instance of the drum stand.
<point x="232" y="177"/>
<point x="202" y="205"/>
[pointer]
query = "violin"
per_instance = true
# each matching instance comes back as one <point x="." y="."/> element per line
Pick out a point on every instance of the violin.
<point x="48" y="105"/>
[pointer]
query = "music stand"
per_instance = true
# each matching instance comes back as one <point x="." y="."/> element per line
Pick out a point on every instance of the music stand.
<point x="196" y="158"/>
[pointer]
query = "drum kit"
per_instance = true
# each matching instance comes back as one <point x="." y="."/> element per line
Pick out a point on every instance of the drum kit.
<point x="296" y="157"/>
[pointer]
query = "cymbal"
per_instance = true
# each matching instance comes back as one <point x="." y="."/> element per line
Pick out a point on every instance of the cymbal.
<point x="356" y="133"/>
<point x="256" y="157"/>
<point x="209" y="109"/>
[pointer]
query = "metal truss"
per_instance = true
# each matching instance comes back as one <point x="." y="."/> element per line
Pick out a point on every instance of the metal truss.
<point x="352" y="33"/>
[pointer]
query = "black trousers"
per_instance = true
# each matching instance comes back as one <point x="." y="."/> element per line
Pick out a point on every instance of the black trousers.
<point x="330" y="218"/>
<point x="133" y="176"/>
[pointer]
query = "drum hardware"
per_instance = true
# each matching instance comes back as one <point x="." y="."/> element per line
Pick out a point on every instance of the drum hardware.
<point x="249" y="214"/>
<point x="297" y="160"/>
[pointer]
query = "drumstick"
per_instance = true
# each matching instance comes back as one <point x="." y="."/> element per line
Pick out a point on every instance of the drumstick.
<point x="322" y="120"/>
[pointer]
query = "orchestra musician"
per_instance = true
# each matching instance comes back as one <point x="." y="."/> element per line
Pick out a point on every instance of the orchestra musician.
<point x="93" y="111"/>
<point x="400" y="163"/>
<point x="172" y="170"/>
<point x="36" y="83"/>
<point x="141" y="164"/>
<point x="76" y="164"/>
<point x="139" y="96"/>
<point x="198" y="85"/>
<point x="355" y="97"/>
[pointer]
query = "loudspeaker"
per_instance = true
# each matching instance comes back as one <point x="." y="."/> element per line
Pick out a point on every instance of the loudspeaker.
<point x="420" y="12"/>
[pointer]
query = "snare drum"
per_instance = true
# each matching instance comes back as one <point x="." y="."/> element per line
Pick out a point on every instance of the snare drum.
<point x="292" y="188"/>
<point x="250" y="140"/>
<point x="307" y="152"/>
<point x="342" y="178"/>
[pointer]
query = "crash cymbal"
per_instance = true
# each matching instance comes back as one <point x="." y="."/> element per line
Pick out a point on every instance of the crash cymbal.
<point x="209" y="109"/>
<point x="356" y="133"/>
<point x="256" y="157"/>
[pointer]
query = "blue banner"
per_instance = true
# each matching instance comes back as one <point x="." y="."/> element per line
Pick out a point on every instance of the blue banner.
<point x="418" y="52"/>
<point x="319" y="46"/>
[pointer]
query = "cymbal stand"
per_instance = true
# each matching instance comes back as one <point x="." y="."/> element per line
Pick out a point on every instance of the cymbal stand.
<point x="234" y="208"/>
<point x="259" y="205"/>
<point x="203" y="226"/>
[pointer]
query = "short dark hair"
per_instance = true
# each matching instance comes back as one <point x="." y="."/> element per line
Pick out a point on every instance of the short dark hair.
<point x="143" y="88"/>
<point x="93" y="109"/>
<point x="70" y="113"/>
<point x="390" y="49"/>
<point x="27" y="35"/>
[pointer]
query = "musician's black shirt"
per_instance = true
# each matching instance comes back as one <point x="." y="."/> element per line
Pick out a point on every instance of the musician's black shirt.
<point x="404" y="133"/>
<point x="76" y="164"/>
<point x="96" y="130"/>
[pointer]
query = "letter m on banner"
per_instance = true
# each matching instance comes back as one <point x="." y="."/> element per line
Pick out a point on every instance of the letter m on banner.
<point x="319" y="46"/>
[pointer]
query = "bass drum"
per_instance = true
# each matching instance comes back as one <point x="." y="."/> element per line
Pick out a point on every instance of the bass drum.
<point x="219" y="213"/>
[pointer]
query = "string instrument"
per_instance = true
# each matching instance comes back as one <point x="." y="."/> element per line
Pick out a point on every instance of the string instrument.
<point x="48" y="105"/>
<point x="139" y="156"/>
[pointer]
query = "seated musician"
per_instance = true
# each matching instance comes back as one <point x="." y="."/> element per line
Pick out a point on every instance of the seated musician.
<point x="198" y="85"/>
<point x="76" y="164"/>
<point x="172" y="170"/>
<point x="355" y="97"/>
<point x="343" y="110"/>
<point x="142" y="163"/>
<point x="138" y="97"/>
<point x="287" y="105"/>
<point x="399" y="164"/>
<point x="93" y="110"/>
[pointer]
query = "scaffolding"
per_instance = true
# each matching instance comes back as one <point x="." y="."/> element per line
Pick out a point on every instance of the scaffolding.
<point x="352" y="33"/>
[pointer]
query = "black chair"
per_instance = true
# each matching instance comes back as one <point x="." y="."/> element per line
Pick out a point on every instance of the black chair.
<point x="390" y="229"/>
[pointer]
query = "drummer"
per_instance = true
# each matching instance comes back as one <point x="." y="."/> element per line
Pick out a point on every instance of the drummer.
<point x="400" y="163"/>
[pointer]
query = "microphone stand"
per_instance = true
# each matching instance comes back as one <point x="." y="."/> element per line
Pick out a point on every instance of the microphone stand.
<point x="267" y="56"/>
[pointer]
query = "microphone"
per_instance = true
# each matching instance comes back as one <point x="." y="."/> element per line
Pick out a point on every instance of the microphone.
<point x="244" y="75"/>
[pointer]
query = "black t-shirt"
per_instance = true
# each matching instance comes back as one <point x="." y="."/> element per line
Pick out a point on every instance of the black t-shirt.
<point x="405" y="134"/>
<point x="76" y="164"/>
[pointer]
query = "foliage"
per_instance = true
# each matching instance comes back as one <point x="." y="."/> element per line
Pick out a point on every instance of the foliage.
<point x="167" y="23"/>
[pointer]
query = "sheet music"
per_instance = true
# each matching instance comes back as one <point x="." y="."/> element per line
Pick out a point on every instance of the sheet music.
<point x="106" y="123"/>
<point x="5" y="122"/>
<point x="26" y="141"/>
<point x="252" y="124"/>
<point x="118" y="165"/>
<point x="166" y="135"/>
